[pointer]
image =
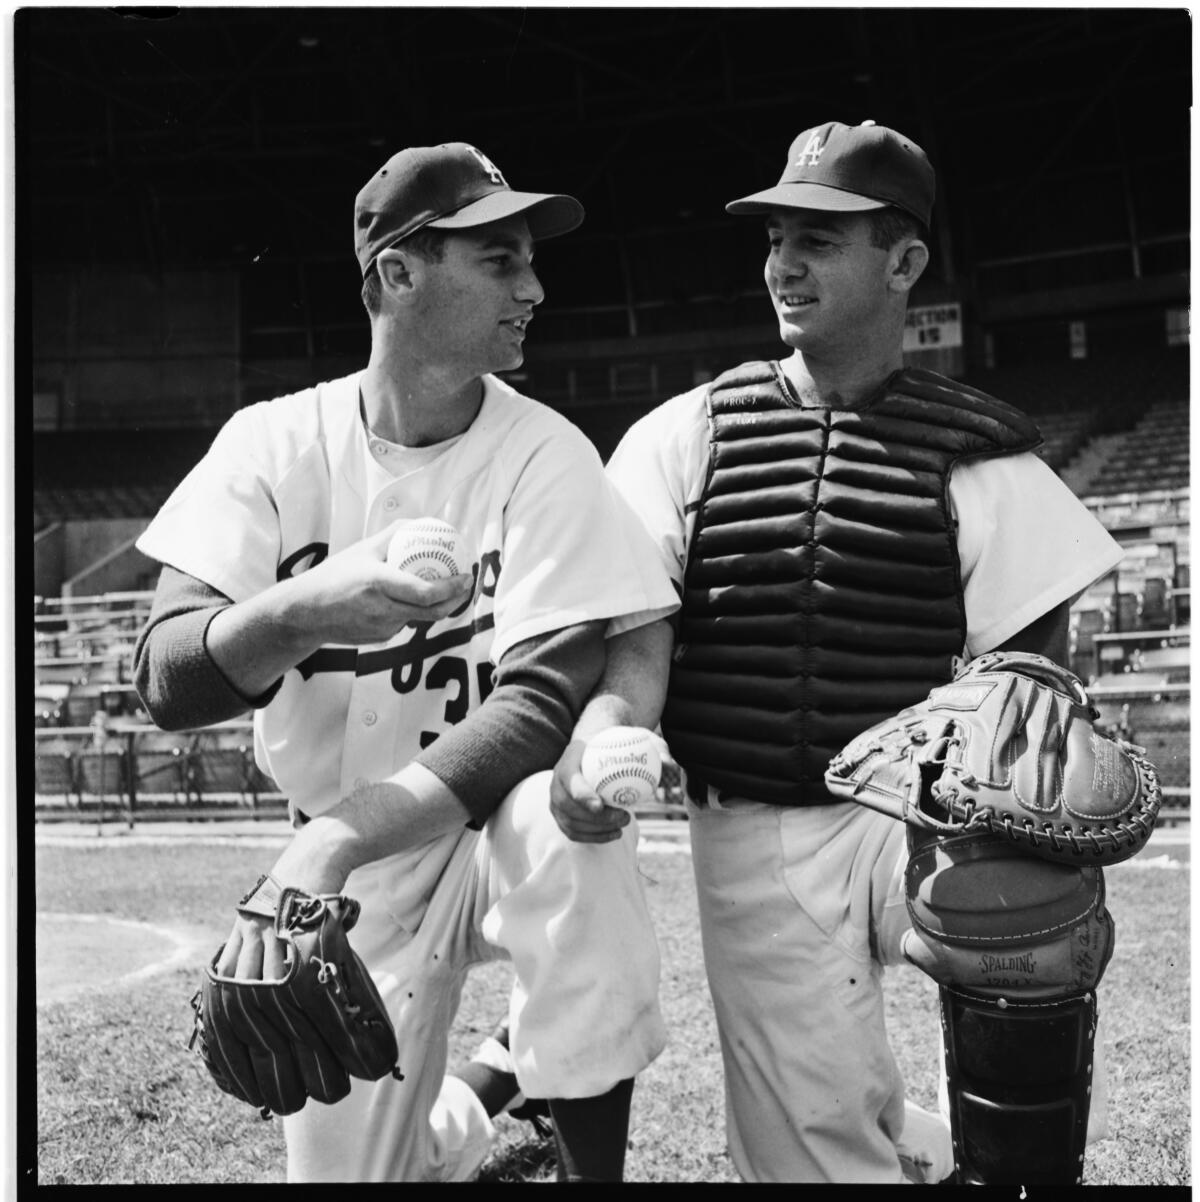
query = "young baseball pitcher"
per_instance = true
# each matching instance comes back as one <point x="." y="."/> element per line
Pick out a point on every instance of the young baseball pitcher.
<point x="411" y="722"/>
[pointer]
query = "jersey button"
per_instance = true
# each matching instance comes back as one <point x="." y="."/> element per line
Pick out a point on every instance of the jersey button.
<point x="380" y="448"/>
<point x="370" y="718"/>
<point x="390" y="503"/>
<point x="361" y="782"/>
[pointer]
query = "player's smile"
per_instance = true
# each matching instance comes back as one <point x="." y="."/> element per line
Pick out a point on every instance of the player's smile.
<point x="518" y="325"/>
<point x="793" y="300"/>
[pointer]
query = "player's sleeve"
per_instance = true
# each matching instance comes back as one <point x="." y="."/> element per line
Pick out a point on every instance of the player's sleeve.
<point x="176" y="678"/>
<point x="659" y="469"/>
<point x="571" y="554"/>
<point x="1026" y="544"/>
<point x="539" y="690"/>
<point x="220" y="524"/>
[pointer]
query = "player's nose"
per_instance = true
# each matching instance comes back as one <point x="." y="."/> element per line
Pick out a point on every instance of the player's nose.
<point x="788" y="264"/>
<point x="529" y="288"/>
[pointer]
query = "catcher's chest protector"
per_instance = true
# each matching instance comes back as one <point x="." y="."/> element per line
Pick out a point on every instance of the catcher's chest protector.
<point x="822" y="591"/>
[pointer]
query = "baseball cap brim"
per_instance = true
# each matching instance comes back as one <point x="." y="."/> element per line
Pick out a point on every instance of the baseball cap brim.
<point x="803" y="196"/>
<point x="548" y="214"/>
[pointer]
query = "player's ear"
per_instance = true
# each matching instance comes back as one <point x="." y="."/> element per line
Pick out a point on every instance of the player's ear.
<point x="398" y="271"/>
<point x="910" y="257"/>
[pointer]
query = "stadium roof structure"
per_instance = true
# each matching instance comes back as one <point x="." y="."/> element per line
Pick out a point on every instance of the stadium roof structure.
<point x="204" y="136"/>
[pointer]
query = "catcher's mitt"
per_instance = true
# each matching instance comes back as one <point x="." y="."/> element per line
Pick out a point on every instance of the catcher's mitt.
<point x="1009" y="745"/>
<point x="275" y="1044"/>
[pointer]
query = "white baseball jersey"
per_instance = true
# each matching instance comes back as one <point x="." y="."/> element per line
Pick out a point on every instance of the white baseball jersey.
<point x="1025" y="541"/>
<point x="291" y="481"/>
<point x="801" y="907"/>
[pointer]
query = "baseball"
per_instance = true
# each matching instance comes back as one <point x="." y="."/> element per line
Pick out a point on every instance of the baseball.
<point x="427" y="548"/>
<point x="622" y="766"/>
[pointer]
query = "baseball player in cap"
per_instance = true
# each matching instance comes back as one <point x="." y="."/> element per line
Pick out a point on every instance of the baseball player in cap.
<point x="412" y="723"/>
<point x="842" y="530"/>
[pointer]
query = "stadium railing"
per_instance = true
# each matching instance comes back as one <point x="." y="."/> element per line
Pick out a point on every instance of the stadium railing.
<point x="138" y="772"/>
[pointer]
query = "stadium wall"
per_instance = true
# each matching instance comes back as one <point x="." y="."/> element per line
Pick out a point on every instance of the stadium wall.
<point x="49" y="546"/>
<point x="113" y="347"/>
<point x="70" y="553"/>
<point x="124" y="569"/>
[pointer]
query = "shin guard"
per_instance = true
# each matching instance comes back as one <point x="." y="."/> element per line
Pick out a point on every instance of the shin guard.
<point x="1017" y="946"/>
<point x="1019" y="1078"/>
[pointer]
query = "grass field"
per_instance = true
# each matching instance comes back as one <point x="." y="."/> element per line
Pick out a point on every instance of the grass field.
<point x="120" y="1100"/>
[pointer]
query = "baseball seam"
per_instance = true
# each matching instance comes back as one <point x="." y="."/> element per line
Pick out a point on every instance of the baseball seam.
<point x="417" y="557"/>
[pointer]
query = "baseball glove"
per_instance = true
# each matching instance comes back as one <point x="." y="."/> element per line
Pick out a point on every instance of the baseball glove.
<point x="1010" y="745"/>
<point x="277" y="1043"/>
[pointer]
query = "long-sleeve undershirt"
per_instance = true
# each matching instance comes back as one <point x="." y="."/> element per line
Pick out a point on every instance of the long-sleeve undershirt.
<point x="539" y="690"/>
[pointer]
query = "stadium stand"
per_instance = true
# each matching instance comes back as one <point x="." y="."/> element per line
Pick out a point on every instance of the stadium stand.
<point x="1065" y="433"/>
<point x="97" y="475"/>
<point x="1153" y="456"/>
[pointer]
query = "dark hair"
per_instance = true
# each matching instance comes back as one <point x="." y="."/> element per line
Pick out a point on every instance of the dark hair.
<point x="892" y="225"/>
<point x="430" y="244"/>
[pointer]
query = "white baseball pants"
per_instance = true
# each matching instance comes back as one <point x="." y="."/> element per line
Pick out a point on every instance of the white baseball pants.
<point x="801" y="909"/>
<point x="583" y="1014"/>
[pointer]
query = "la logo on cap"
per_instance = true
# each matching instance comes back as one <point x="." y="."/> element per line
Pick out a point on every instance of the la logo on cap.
<point x="492" y="170"/>
<point x="810" y="156"/>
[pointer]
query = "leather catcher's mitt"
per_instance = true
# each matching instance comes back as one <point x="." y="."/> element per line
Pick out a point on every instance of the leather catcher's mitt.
<point x="1009" y="745"/>
<point x="277" y="1043"/>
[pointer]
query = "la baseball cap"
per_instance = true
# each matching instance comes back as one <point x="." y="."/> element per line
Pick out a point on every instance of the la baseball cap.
<point x="849" y="169"/>
<point x="449" y="187"/>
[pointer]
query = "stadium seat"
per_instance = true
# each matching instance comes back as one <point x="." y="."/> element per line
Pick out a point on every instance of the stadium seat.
<point x="47" y="710"/>
<point x="1162" y="659"/>
<point x="224" y="772"/>
<point x="1152" y="610"/>
<point x="103" y="774"/>
<point x="81" y="704"/>
<point x="55" y="774"/>
<point x="1124" y="611"/>
<point x="163" y="773"/>
<point x="1132" y="681"/>
<point x="262" y="786"/>
<point x="1181" y="608"/>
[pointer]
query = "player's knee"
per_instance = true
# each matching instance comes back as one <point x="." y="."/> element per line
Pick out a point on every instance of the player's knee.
<point x="529" y="796"/>
<point x="991" y="920"/>
<point x="524" y="814"/>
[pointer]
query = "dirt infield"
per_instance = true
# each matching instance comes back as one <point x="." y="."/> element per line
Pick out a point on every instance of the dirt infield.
<point x="78" y="952"/>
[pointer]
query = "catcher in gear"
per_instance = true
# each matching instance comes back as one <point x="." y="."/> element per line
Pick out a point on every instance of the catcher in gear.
<point x="1015" y="802"/>
<point x="842" y="526"/>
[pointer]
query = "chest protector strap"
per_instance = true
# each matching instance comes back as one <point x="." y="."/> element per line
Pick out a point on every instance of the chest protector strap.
<point x="822" y="592"/>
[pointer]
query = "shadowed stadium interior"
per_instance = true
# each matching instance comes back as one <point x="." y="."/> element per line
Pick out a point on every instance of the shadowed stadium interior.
<point x="184" y="192"/>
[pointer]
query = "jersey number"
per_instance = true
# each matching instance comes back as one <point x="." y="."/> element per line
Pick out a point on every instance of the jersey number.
<point x="452" y="671"/>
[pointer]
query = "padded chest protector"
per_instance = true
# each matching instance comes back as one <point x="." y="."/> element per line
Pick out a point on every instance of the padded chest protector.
<point x="822" y="591"/>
